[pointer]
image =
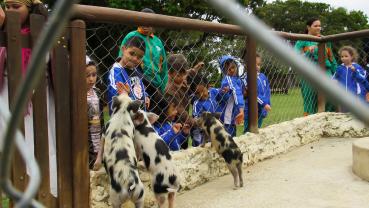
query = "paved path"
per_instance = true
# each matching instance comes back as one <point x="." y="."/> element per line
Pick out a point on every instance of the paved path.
<point x="316" y="175"/>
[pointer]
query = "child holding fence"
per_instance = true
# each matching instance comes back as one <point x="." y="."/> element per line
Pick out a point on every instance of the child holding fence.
<point x="173" y="133"/>
<point x="232" y="102"/>
<point x="125" y="77"/>
<point x="263" y="96"/>
<point x="350" y="74"/>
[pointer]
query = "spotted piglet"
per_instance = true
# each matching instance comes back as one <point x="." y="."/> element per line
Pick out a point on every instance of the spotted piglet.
<point x="223" y="143"/>
<point x="156" y="156"/>
<point x="119" y="156"/>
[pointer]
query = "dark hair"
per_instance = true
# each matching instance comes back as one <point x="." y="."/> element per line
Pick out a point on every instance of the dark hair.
<point x="136" y="42"/>
<point x="148" y="10"/>
<point x="177" y="63"/>
<point x="309" y="23"/>
<point x="39" y="9"/>
<point x="199" y="79"/>
<point x="162" y="104"/>
<point x="227" y="63"/>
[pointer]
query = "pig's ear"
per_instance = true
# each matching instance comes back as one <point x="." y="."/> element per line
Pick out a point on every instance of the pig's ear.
<point x="115" y="106"/>
<point x="152" y="117"/>
<point x="138" y="118"/>
<point x="217" y="115"/>
<point x="134" y="106"/>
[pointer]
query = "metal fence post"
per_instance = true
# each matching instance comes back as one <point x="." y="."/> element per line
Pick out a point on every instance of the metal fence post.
<point x="321" y="61"/>
<point x="81" y="175"/>
<point x="252" y="84"/>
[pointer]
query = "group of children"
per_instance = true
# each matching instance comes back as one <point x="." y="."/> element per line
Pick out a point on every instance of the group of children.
<point x="185" y="87"/>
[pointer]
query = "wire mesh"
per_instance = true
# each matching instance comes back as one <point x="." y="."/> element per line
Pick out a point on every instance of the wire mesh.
<point x="103" y="42"/>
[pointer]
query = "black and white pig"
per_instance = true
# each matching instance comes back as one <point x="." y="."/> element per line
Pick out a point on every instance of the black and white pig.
<point x="156" y="156"/>
<point x="222" y="142"/>
<point x="119" y="157"/>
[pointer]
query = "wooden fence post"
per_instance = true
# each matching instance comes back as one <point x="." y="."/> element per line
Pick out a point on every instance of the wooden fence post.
<point x="14" y="67"/>
<point x="321" y="61"/>
<point x="40" y="123"/>
<point x="61" y="72"/>
<point x="81" y="175"/>
<point x="252" y="84"/>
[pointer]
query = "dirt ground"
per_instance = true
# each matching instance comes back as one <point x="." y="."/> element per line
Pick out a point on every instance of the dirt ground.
<point x="316" y="175"/>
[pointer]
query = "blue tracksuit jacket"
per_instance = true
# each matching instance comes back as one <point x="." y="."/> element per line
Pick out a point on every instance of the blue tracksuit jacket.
<point x="232" y="101"/>
<point x="353" y="81"/>
<point x="126" y="76"/>
<point x="263" y="90"/>
<point x="172" y="139"/>
<point x="209" y="105"/>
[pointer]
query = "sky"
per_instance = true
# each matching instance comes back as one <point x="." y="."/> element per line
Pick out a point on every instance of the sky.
<point x="362" y="5"/>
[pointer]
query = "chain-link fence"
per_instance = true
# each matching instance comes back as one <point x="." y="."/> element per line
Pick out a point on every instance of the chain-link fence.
<point x="286" y="100"/>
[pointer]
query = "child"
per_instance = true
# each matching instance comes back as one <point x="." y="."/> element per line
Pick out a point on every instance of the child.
<point x="124" y="76"/>
<point x="263" y="93"/>
<point x="178" y="88"/>
<point x="350" y="74"/>
<point x="25" y="8"/>
<point x="174" y="134"/>
<point x="206" y="101"/>
<point x="95" y="116"/>
<point x="232" y="102"/>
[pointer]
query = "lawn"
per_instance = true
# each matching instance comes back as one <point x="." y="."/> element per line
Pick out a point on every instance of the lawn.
<point x="284" y="107"/>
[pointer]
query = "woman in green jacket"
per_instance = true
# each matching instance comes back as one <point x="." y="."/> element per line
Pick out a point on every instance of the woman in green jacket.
<point x="310" y="50"/>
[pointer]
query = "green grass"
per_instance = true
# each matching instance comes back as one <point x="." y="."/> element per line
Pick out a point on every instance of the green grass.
<point x="5" y="202"/>
<point x="284" y="107"/>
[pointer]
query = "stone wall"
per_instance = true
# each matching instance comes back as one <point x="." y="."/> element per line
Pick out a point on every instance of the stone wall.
<point x="199" y="165"/>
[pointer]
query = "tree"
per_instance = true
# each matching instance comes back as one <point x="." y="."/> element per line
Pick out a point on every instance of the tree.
<point x="291" y="16"/>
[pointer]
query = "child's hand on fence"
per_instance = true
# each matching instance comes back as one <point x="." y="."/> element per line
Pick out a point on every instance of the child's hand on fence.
<point x="245" y="92"/>
<point x="267" y="107"/>
<point x="176" y="127"/>
<point x="198" y="66"/>
<point x="147" y="102"/>
<point x="312" y="48"/>
<point x="123" y="88"/>
<point x="352" y="68"/>
<point x="239" y="118"/>
<point x="98" y="163"/>
<point x="225" y="89"/>
<point x="186" y="128"/>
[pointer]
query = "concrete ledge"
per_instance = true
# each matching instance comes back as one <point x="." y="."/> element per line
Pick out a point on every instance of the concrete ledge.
<point x="360" y="157"/>
<point x="199" y="165"/>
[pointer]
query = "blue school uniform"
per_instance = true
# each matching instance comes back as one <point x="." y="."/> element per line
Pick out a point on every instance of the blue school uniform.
<point x="353" y="81"/>
<point x="263" y="98"/>
<point x="166" y="132"/>
<point x="126" y="76"/>
<point x="231" y="102"/>
<point x="200" y="106"/>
